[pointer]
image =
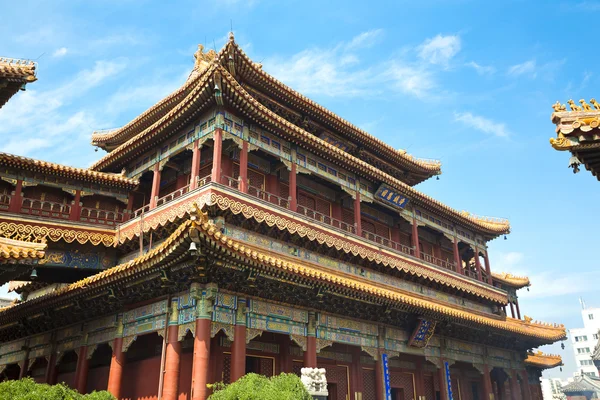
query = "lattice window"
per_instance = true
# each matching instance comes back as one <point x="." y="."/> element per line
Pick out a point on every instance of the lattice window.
<point x="426" y="247"/>
<point x="368" y="226"/>
<point x="404" y="381"/>
<point x="297" y="368"/>
<point x="348" y="216"/>
<point x="429" y="387"/>
<point x="338" y="376"/>
<point x="284" y="191"/>
<point x="306" y="201"/>
<point x="226" y="368"/>
<point x="266" y="367"/>
<point x="369" y="384"/>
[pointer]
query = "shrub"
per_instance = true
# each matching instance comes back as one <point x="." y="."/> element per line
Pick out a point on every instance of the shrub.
<point x="258" y="387"/>
<point x="27" y="389"/>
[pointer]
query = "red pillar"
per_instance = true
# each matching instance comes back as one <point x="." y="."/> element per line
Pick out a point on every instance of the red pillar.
<point x="286" y="361"/>
<point x="155" y="186"/>
<point x="238" y="353"/>
<point x="293" y="189"/>
<point x="75" y="208"/>
<point x="357" y="214"/>
<point x="379" y="395"/>
<point x="51" y="369"/>
<point x="195" y="166"/>
<point x="16" y="199"/>
<point x="459" y="268"/>
<point x="356" y="377"/>
<point x="415" y="238"/>
<point x="443" y="381"/>
<point x="488" y="270"/>
<point x="512" y="310"/>
<point x="172" y="358"/>
<point x="129" y="210"/>
<point x="518" y="311"/>
<point x="419" y="382"/>
<point x="525" y="383"/>
<point x="115" y="373"/>
<point x="217" y="150"/>
<point x="488" y="390"/>
<point x="25" y="367"/>
<point x="515" y="389"/>
<point x="201" y="359"/>
<point x="81" y="371"/>
<point x="310" y="355"/>
<point x="244" y="167"/>
<point x="478" y="265"/>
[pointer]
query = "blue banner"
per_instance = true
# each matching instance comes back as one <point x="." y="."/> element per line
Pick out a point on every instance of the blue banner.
<point x="386" y="377"/>
<point x="448" y="380"/>
<point x="390" y="196"/>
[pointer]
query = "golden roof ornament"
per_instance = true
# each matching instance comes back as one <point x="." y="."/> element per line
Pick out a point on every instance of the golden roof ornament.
<point x="574" y="107"/>
<point x="595" y="104"/>
<point x="559" y="107"/>
<point x="586" y="106"/>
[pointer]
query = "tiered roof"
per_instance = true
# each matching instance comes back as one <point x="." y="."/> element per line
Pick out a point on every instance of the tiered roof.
<point x="215" y="84"/>
<point x="541" y="360"/>
<point x="577" y="131"/>
<point x="83" y="174"/>
<point x="17" y="251"/>
<point x="206" y="233"/>
<point x="583" y="383"/>
<point x="517" y="282"/>
<point x="14" y="74"/>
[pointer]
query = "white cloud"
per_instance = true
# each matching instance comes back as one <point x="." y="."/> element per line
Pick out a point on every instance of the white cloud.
<point x="528" y="67"/>
<point x="482" y="124"/>
<point x="60" y="52"/>
<point x="440" y="49"/>
<point x="481" y="69"/>
<point x="339" y="71"/>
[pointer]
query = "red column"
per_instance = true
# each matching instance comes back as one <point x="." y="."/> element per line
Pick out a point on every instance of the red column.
<point x="25" y="367"/>
<point x="488" y="390"/>
<point x="195" y="166"/>
<point x="216" y="167"/>
<point x="293" y="189"/>
<point x="116" y="368"/>
<point x="16" y="199"/>
<point x="155" y="186"/>
<point x="443" y="382"/>
<point x="81" y="372"/>
<point x="379" y="395"/>
<point x="238" y="353"/>
<point x="201" y="359"/>
<point x="515" y="389"/>
<point x="129" y="210"/>
<point x="525" y="382"/>
<point x="310" y="355"/>
<point x="415" y="238"/>
<point x="478" y="265"/>
<point x="356" y="377"/>
<point x="512" y="310"/>
<point x="285" y="359"/>
<point x="244" y="167"/>
<point x="357" y="215"/>
<point x="419" y="382"/>
<point x="172" y="358"/>
<point x="50" y="369"/>
<point x="518" y="311"/>
<point x="75" y="208"/>
<point x="457" y="260"/>
<point x="488" y="270"/>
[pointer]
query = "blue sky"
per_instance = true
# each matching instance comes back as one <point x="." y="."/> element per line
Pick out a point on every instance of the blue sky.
<point x="467" y="82"/>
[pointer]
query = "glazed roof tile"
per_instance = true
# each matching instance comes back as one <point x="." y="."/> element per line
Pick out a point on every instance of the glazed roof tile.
<point x="493" y="226"/>
<point x="583" y="383"/>
<point x="85" y="174"/>
<point x="13" y="74"/>
<point x="511" y="280"/>
<point x="199" y="226"/>
<point x="540" y="360"/>
<point x="17" y="251"/>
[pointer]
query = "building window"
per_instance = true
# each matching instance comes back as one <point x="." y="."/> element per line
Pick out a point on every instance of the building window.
<point x="595" y="336"/>
<point x="591" y="316"/>
<point x="583" y="350"/>
<point x="586" y="362"/>
<point x="581" y="338"/>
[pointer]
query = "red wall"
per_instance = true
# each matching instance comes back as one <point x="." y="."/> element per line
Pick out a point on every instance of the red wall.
<point x="67" y="377"/>
<point x="140" y="379"/>
<point x="97" y="379"/>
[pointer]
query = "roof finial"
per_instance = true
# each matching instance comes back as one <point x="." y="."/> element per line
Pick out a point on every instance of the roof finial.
<point x="231" y="37"/>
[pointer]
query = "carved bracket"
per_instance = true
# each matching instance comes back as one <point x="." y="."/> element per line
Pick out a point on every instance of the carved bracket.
<point x="299" y="340"/>
<point x="372" y="351"/>
<point x="322" y="343"/>
<point x="479" y="367"/>
<point x="127" y="342"/>
<point x="90" y="351"/>
<point x="184" y="329"/>
<point x="252" y="333"/>
<point x="435" y="361"/>
<point x="226" y="328"/>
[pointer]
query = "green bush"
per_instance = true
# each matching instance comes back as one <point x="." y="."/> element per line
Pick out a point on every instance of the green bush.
<point x="27" y="389"/>
<point x="258" y="387"/>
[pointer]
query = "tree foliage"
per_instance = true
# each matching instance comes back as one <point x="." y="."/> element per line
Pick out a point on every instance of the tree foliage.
<point x="28" y="389"/>
<point x="259" y="387"/>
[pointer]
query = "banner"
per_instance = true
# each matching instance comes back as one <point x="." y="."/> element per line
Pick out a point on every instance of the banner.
<point x="448" y="380"/>
<point x="386" y="377"/>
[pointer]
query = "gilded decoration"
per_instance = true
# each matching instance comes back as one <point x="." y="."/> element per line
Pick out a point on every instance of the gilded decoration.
<point x="299" y="340"/>
<point x="39" y="234"/>
<point x="422" y="333"/>
<point x="252" y="334"/>
<point x="12" y="251"/>
<point x="227" y="329"/>
<point x="127" y="342"/>
<point x="184" y="329"/>
<point x="322" y="343"/>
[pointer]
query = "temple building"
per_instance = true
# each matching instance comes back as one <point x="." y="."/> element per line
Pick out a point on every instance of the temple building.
<point x="577" y="132"/>
<point x="237" y="226"/>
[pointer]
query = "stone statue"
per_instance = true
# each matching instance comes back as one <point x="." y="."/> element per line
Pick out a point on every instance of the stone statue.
<point x="315" y="382"/>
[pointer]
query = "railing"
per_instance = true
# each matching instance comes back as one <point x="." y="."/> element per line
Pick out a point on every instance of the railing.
<point x="266" y="196"/>
<point x="141" y="211"/>
<point x="203" y="181"/>
<point x="4" y="201"/>
<point x="45" y="208"/>
<point x="388" y="243"/>
<point x="104" y="217"/>
<point x="336" y="223"/>
<point x="449" y="265"/>
<point x="231" y="182"/>
<point x="172" y="196"/>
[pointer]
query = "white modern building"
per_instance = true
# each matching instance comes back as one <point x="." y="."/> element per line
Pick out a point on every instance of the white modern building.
<point x="585" y="339"/>
<point x="551" y="388"/>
